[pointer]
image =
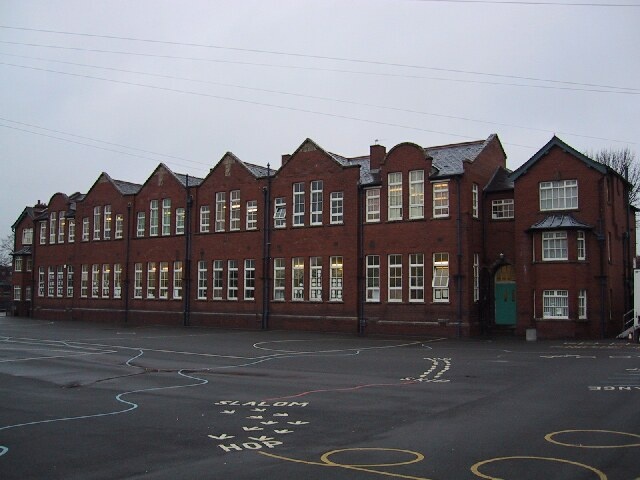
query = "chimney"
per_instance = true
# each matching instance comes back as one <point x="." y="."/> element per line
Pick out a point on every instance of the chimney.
<point x="376" y="156"/>
<point x="285" y="158"/>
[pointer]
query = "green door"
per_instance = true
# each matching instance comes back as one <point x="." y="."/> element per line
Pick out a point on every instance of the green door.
<point x="505" y="295"/>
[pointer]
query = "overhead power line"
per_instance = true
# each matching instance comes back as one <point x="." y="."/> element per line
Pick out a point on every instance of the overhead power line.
<point x="532" y="3"/>
<point x="303" y="55"/>
<point x="313" y="97"/>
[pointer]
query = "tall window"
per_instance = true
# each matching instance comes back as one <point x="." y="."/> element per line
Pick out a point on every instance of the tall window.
<point x="373" y="204"/>
<point x="27" y="236"/>
<point x="298" y="204"/>
<point x="52" y="227"/>
<point x="336" y="279"/>
<point x="41" y="281"/>
<point x="177" y="280"/>
<point x="180" y="221"/>
<point x="278" y="278"/>
<point x="337" y="208"/>
<point x="69" y="280"/>
<point x="582" y="304"/>
<point x="107" y="222"/>
<point x="95" y="281"/>
<point x="218" y="279"/>
<point x="582" y="245"/>
<point x="232" y="280"/>
<point x="252" y="215"/>
<point x="119" y="225"/>
<point x="315" y="279"/>
<point x="97" y="222"/>
<point x="84" y="281"/>
<point x="502" y="209"/>
<point x="234" y="213"/>
<point x="17" y="264"/>
<point x="60" y="281"/>
<point x="221" y="211"/>
<point x="476" y="277"/>
<point x="106" y="278"/>
<point x="440" y="200"/>
<point x="72" y="230"/>
<point x="555" y="304"/>
<point x="163" y="285"/>
<point x="117" y="280"/>
<point x="17" y="293"/>
<point x="202" y="280"/>
<point x="61" y="227"/>
<point x="249" y="279"/>
<point x="416" y="277"/>
<point x="416" y="194"/>
<point x="280" y="213"/>
<point x="395" y="278"/>
<point x="440" y="281"/>
<point x="554" y="246"/>
<point x="297" y="278"/>
<point x="43" y="233"/>
<point x="153" y="218"/>
<point x="559" y="195"/>
<point x="140" y="224"/>
<point x="316" y="202"/>
<point x="137" y="281"/>
<point x="151" y="280"/>
<point x="166" y="216"/>
<point x="394" y="196"/>
<point x="373" y="278"/>
<point x="475" y="209"/>
<point x="205" y="218"/>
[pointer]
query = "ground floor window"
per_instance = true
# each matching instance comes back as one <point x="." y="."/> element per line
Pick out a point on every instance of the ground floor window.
<point x="315" y="280"/>
<point x="440" y="282"/>
<point x="335" y="295"/>
<point x="202" y="280"/>
<point x="416" y="277"/>
<point x="395" y="278"/>
<point x="555" y="304"/>
<point x="373" y="278"/>
<point x="218" y="279"/>
<point x="278" y="278"/>
<point x="232" y="280"/>
<point x="582" y="304"/>
<point x="297" y="267"/>
<point x="249" y="279"/>
<point x="137" y="281"/>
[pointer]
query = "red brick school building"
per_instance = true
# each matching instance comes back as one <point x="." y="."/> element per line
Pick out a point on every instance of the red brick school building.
<point x="415" y="240"/>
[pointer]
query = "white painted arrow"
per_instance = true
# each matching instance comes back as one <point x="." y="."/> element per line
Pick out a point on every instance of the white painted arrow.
<point x="270" y="422"/>
<point x="228" y="412"/>
<point x="224" y="436"/>
<point x="263" y="438"/>
<point x="258" y="409"/>
<point x="298" y="422"/>
<point x="252" y="429"/>
<point x="256" y="417"/>
<point x="282" y="432"/>
<point x="280" y="414"/>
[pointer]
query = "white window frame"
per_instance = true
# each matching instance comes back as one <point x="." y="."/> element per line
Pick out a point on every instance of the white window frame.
<point x="17" y="293"/>
<point x="297" y="279"/>
<point x="17" y="264"/>
<point x="476" y="277"/>
<point x="555" y="246"/>
<point x="27" y="236"/>
<point x="279" y="213"/>
<point x="502" y="209"/>
<point x="416" y="277"/>
<point x="71" y="227"/>
<point x="60" y="281"/>
<point x="581" y="241"/>
<point x="221" y="211"/>
<point x="180" y="216"/>
<point x="234" y="210"/>
<point x="440" y="199"/>
<point x="84" y="281"/>
<point x="163" y="280"/>
<point x="278" y="279"/>
<point x="441" y="275"/>
<point x="43" y="233"/>
<point x="117" y="280"/>
<point x="41" y="281"/>
<point x="141" y="224"/>
<point x="336" y="279"/>
<point x="298" y="204"/>
<point x="558" y="195"/>
<point x="373" y="278"/>
<point x="394" y="196"/>
<point x="152" y="280"/>
<point x="202" y="280"/>
<point x="317" y="187"/>
<point x="53" y="227"/>
<point x="166" y="217"/>
<point x="582" y="304"/>
<point x="249" y="279"/>
<point x="373" y="205"/>
<point x="97" y="222"/>
<point x="252" y="215"/>
<point x="232" y="280"/>
<point x="315" y="279"/>
<point x="105" y="280"/>
<point x="119" y="226"/>
<point x="177" y="280"/>
<point x="205" y="218"/>
<point x="153" y="218"/>
<point x="106" y="235"/>
<point x="555" y="304"/>
<point x="95" y="280"/>
<point x="475" y="200"/>
<point x="218" y="279"/>
<point x="61" y="226"/>
<point x="337" y="208"/>
<point x="137" y="281"/>
<point x="416" y="194"/>
<point x="394" y="278"/>
<point x="70" y="273"/>
<point x="51" y="287"/>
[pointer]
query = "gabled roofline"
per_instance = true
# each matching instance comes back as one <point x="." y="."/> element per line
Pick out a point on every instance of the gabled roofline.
<point x="556" y="142"/>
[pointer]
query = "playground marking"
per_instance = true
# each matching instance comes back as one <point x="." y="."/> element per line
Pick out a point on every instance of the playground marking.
<point x="476" y="467"/>
<point x="550" y="438"/>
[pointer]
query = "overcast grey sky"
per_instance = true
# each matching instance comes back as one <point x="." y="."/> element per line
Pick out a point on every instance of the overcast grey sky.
<point x="120" y="86"/>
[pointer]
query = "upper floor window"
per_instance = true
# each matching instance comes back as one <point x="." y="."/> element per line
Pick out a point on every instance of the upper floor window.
<point x="61" y="227"/>
<point x="97" y="214"/>
<point x="416" y="194"/>
<point x="298" y="204"/>
<point x="234" y="213"/>
<point x="373" y="205"/>
<point x="166" y="216"/>
<point x="221" y="210"/>
<point x="337" y="207"/>
<point x="316" y="202"/>
<point x="153" y="218"/>
<point x="559" y="195"/>
<point x="440" y="199"/>
<point x="107" y="222"/>
<point x="475" y="208"/>
<point x="140" y="225"/>
<point x="72" y="230"/>
<point x="252" y="215"/>
<point x="179" y="221"/>
<point x="554" y="246"/>
<point x="119" y="226"/>
<point x="394" y="193"/>
<point x="440" y="282"/>
<point x="52" y="227"/>
<point x="280" y="213"/>
<point x="502" y="209"/>
<point x="43" y="233"/>
<point x="205" y="218"/>
<point x="17" y="264"/>
<point x="85" y="229"/>
<point x="27" y="236"/>
<point x="582" y="245"/>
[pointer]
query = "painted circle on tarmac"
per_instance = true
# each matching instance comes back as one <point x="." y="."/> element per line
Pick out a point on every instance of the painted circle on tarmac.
<point x="417" y="457"/>
<point x="584" y="438"/>
<point x="476" y="468"/>
<point x="314" y="346"/>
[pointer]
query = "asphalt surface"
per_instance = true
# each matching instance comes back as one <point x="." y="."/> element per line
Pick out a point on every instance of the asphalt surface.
<point x="91" y="401"/>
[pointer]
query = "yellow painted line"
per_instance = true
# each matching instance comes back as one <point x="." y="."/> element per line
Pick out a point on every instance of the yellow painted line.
<point x="549" y="438"/>
<point x="476" y="468"/>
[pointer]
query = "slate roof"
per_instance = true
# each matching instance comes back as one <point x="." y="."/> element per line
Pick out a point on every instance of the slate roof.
<point x="500" y="182"/>
<point x="183" y="179"/>
<point x="367" y="177"/>
<point x="560" y="221"/>
<point x="448" y="159"/>
<point x="259" y="171"/>
<point x="23" y="251"/>
<point x="125" y="188"/>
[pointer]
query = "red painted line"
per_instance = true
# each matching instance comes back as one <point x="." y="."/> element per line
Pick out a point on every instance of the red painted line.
<point x="349" y="389"/>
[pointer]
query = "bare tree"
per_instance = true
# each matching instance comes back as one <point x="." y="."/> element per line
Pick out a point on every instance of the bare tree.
<point x="6" y="248"/>
<point x="624" y="162"/>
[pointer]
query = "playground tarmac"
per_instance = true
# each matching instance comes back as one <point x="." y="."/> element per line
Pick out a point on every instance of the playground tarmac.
<point x="95" y="401"/>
